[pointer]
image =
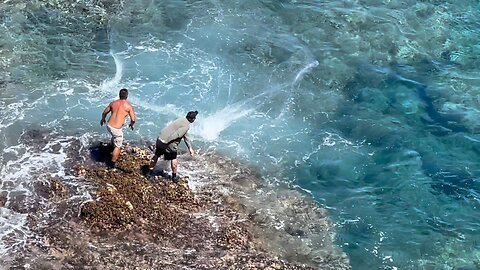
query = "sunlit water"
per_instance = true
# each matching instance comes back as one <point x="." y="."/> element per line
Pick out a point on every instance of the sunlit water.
<point x="371" y="107"/>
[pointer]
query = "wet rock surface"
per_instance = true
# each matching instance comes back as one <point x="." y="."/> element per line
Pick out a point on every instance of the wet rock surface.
<point x="221" y="216"/>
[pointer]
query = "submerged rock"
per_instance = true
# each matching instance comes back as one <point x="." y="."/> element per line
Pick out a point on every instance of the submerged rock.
<point x="57" y="188"/>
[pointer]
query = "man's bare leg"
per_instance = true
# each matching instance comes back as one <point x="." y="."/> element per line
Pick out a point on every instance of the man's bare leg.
<point x="173" y="164"/>
<point x="153" y="162"/>
<point x="115" y="154"/>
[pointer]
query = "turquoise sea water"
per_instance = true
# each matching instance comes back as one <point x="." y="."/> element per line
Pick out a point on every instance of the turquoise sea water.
<point x="370" y="107"/>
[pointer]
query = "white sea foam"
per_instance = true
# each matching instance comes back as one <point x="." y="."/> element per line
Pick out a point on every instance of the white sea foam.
<point x="12" y="232"/>
<point x="11" y="113"/>
<point x="27" y="166"/>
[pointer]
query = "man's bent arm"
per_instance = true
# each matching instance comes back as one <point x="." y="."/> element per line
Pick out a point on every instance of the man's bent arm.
<point x="104" y="114"/>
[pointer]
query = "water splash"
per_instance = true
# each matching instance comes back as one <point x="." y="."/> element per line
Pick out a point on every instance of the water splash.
<point x="112" y="84"/>
<point x="210" y="127"/>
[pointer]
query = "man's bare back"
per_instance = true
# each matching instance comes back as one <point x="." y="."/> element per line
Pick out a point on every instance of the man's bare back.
<point x="119" y="110"/>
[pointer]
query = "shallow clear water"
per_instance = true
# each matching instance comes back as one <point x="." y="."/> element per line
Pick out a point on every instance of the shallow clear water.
<point x="369" y="106"/>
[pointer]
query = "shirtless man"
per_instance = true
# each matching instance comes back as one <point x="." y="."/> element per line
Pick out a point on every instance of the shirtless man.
<point x="119" y="108"/>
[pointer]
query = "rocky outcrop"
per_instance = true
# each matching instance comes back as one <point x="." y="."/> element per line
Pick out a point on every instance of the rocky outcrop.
<point x="223" y="218"/>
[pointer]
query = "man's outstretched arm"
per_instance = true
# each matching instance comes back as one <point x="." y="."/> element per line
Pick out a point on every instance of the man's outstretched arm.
<point x="104" y="114"/>
<point x="187" y="141"/>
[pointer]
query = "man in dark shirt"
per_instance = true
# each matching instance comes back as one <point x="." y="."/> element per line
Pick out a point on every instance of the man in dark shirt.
<point x="170" y="137"/>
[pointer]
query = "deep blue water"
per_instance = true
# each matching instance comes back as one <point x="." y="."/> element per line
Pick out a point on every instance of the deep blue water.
<point x="370" y="107"/>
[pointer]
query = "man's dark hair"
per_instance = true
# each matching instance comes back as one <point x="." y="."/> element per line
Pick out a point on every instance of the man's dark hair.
<point x="123" y="94"/>
<point x="192" y="115"/>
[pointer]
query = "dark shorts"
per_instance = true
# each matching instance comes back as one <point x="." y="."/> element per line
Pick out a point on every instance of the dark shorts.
<point x="162" y="149"/>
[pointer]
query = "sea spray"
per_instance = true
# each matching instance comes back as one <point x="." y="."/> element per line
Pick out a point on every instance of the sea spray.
<point x="210" y="126"/>
<point x="111" y="85"/>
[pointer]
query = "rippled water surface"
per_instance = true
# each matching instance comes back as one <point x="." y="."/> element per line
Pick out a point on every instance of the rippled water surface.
<point x="369" y="106"/>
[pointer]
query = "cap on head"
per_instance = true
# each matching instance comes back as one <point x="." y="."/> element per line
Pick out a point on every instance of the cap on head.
<point x="123" y="94"/>
<point x="191" y="115"/>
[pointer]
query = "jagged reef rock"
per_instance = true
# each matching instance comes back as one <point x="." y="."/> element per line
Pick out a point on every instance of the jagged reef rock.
<point x="214" y="219"/>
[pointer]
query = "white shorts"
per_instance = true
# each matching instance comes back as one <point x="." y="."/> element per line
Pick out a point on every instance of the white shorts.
<point x="117" y="136"/>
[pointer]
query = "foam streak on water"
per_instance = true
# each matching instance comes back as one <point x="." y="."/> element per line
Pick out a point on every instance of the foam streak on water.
<point x="304" y="71"/>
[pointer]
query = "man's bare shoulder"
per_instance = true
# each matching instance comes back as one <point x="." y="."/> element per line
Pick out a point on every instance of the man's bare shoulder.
<point x="121" y="102"/>
<point x="116" y="103"/>
<point x="128" y="105"/>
